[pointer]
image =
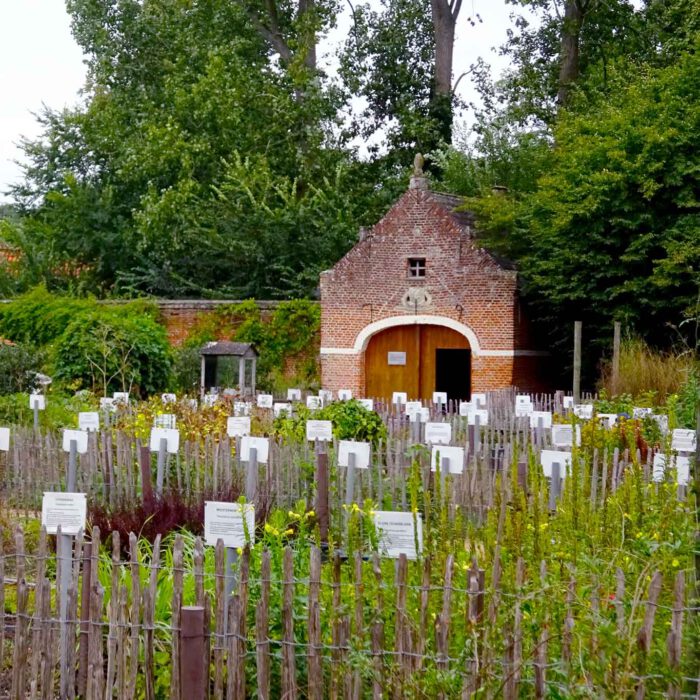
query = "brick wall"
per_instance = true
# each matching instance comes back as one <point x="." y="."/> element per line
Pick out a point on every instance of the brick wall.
<point x="179" y="316"/>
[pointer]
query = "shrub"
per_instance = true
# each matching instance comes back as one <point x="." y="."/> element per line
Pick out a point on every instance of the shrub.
<point x="351" y="421"/>
<point x="19" y="365"/>
<point x="108" y="350"/>
<point x="61" y="411"/>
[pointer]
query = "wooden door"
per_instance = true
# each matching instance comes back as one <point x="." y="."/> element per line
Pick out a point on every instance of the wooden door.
<point x="417" y="376"/>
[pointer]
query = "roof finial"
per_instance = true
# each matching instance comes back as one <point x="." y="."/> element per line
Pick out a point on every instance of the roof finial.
<point x="418" y="179"/>
<point x="418" y="163"/>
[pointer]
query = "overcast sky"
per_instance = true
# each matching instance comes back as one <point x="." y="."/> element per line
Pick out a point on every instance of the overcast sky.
<point x="40" y="63"/>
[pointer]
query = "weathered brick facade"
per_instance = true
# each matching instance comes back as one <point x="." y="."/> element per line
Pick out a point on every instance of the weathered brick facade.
<point x="464" y="288"/>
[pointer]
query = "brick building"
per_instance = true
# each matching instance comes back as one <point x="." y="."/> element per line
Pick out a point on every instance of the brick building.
<point x="418" y="306"/>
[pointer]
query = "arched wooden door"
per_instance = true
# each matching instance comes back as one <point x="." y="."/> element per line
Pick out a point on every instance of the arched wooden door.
<point x="418" y="359"/>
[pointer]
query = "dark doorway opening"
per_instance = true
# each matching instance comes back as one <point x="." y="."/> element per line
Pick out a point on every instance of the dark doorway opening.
<point x="453" y="373"/>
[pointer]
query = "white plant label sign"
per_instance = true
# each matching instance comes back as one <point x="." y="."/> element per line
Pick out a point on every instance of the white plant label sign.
<point x="282" y="407"/>
<point x="367" y="403"/>
<point x="549" y="457"/>
<point x="638" y="412"/>
<point x="584" y="411"/>
<point x="4" y="439"/>
<point x="453" y="455"/>
<point x="121" y="397"/>
<point x="359" y="449"/>
<point x="399" y="397"/>
<point x="168" y="398"/>
<point x="398" y="533"/>
<point x="326" y="395"/>
<point x="412" y="407"/>
<point x="683" y="440"/>
<point x="265" y="400"/>
<point x="165" y="420"/>
<point x="422" y="415"/>
<point x="260" y="444"/>
<point x="567" y="402"/>
<point x="344" y="394"/>
<point x="89" y="420"/>
<point x="171" y="437"/>
<point x="440" y="397"/>
<point x="238" y="426"/>
<point x="228" y="522"/>
<point x="482" y="414"/>
<point x="319" y="430"/>
<point x="314" y="402"/>
<point x="293" y="394"/>
<point x="241" y="408"/>
<point x="544" y="416"/>
<point x="681" y="463"/>
<point x="69" y="510"/>
<point x="608" y="418"/>
<point x="80" y="437"/>
<point x="465" y="408"/>
<point x="210" y="399"/>
<point x="479" y="400"/>
<point x="438" y="433"/>
<point x="563" y="435"/>
<point x="37" y="401"/>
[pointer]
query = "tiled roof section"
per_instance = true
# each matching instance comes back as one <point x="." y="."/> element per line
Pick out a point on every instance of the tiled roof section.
<point x="466" y="220"/>
<point x="226" y="347"/>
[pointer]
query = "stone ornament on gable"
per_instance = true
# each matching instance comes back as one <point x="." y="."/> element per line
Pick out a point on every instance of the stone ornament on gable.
<point x="416" y="298"/>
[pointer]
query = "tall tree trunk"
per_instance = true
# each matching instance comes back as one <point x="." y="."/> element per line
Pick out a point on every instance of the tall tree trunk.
<point x="569" y="65"/>
<point x="444" y="15"/>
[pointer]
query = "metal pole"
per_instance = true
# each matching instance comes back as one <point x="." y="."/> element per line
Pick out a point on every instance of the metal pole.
<point x="350" y="479"/>
<point x="160" y="473"/>
<point x="65" y="562"/>
<point x="251" y="476"/>
<point x="577" y="362"/>
<point x="555" y="487"/>
<point x="36" y="417"/>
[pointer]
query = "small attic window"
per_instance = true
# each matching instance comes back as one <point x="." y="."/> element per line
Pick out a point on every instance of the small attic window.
<point x="416" y="267"/>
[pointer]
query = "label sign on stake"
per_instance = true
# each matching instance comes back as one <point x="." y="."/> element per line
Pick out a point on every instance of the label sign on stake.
<point x="440" y="398"/>
<point x="238" y="426"/>
<point x="165" y="420"/>
<point x="319" y="430"/>
<point x="549" y="457"/>
<point x="225" y="521"/>
<point x="210" y="399"/>
<point x="359" y="449"/>
<point x="662" y="463"/>
<point x="4" y="439"/>
<point x="241" y="408"/>
<point x="482" y="414"/>
<point x="121" y="396"/>
<point x="544" y="416"/>
<point x="265" y="400"/>
<point x="567" y="402"/>
<point x="453" y="455"/>
<point x="438" y="433"/>
<point x="80" y="437"/>
<point x="107" y="404"/>
<point x="584" y="411"/>
<point x="326" y="395"/>
<point x="563" y="435"/>
<point x="282" y="407"/>
<point x="168" y="398"/>
<point x="37" y="401"/>
<point x="314" y="402"/>
<point x="260" y="444"/>
<point x="68" y="510"/>
<point x="422" y="415"/>
<point x="89" y="420"/>
<point x="608" y="418"/>
<point x="293" y="394"/>
<point x="683" y="440"/>
<point x="479" y="399"/>
<point x="399" y="397"/>
<point x="171" y="436"/>
<point x="638" y="412"/>
<point x="465" y="408"/>
<point x="398" y="533"/>
<point x="367" y="403"/>
<point x="344" y="394"/>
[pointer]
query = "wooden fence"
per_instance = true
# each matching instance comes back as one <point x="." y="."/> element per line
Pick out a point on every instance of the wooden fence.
<point x="294" y="627"/>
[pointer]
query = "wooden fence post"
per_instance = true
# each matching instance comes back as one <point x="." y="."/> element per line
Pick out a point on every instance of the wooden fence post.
<point x="193" y="674"/>
<point x="577" y="362"/>
<point x="322" y="496"/>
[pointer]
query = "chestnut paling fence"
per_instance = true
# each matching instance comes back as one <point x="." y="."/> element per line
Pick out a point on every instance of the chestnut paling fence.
<point x="298" y="624"/>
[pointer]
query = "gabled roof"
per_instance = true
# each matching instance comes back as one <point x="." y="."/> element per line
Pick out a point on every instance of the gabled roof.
<point x="226" y="347"/>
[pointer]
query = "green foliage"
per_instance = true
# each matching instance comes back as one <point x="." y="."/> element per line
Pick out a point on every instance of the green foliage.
<point x="101" y="347"/>
<point x="19" y="365"/>
<point x="61" y="409"/>
<point x="351" y="421"/>
<point x="109" y="350"/>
